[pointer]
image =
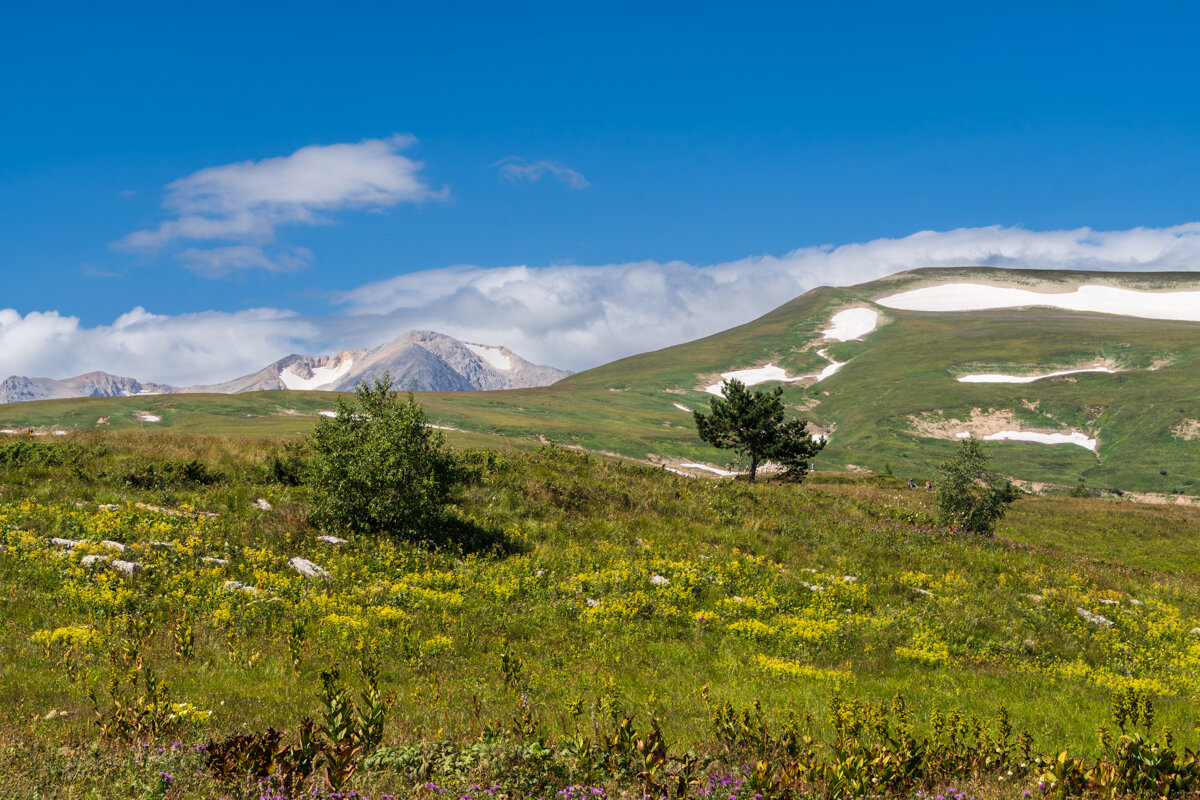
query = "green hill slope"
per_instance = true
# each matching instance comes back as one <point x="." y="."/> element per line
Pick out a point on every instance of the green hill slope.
<point x="896" y="402"/>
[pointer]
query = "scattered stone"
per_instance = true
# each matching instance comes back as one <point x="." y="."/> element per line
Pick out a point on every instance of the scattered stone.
<point x="108" y="507"/>
<point x="541" y="573"/>
<point x="737" y="599"/>
<point x="120" y="548"/>
<point x="1136" y="602"/>
<point x="162" y="545"/>
<point x="640" y="542"/>
<point x="335" y="541"/>
<point x="220" y="562"/>
<point x="593" y="603"/>
<point x="1037" y="598"/>
<point x="809" y="569"/>
<point x="659" y="580"/>
<point x="1195" y="630"/>
<point x="55" y="713"/>
<point x="1110" y="602"/>
<point x="925" y="592"/>
<point x="849" y="578"/>
<point x="262" y="504"/>
<point x="67" y="543"/>
<point x="238" y="586"/>
<point x="81" y="503"/>
<point x="129" y="568"/>
<point x="307" y="568"/>
<point x="88" y="561"/>
<point x="1094" y="618"/>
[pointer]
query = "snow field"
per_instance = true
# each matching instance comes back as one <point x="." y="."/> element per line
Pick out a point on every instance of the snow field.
<point x="491" y="355"/>
<point x="320" y="376"/>
<point x="853" y="323"/>
<point x="991" y="378"/>
<point x="1090" y="297"/>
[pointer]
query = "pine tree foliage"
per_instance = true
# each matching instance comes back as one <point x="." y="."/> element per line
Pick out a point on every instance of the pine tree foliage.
<point x="752" y="423"/>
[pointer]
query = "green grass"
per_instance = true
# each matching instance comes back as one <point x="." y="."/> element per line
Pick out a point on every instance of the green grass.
<point x="565" y="528"/>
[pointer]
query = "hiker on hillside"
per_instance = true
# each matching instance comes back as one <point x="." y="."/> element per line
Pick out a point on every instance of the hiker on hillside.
<point x="911" y="485"/>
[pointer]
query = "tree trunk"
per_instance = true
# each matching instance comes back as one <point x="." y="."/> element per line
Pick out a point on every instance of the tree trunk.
<point x="753" y="467"/>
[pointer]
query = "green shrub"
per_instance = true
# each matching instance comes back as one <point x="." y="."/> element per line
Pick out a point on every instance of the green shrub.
<point x="172" y="475"/>
<point x="969" y="496"/>
<point x="378" y="465"/>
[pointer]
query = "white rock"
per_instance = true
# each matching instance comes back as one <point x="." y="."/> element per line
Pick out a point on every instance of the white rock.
<point x="108" y="507"/>
<point x="1110" y="602"/>
<point x="849" y="578"/>
<point x="87" y="561"/>
<point x="1136" y="602"/>
<point x="1195" y="630"/>
<point x="67" y="543"/>
<point x="332" y="540"/>
<point x="238" y="586"/>
<point x="120" y="548"/>
<point x="307" y="568"/>
<point x="541" y="573"/>
<point x="593" y="603"/>
<point x="925" y="592"/>
<point x="162" y="545"/>
<point x="1094" y="618"/>
<point x="659" y="580"/>
<point x="220" y="562"/>
<point x="1037" y="598"/>
<point x="262" y="504"/>
<point x="130" y="568"/>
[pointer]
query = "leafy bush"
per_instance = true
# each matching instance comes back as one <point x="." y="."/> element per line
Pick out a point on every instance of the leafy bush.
<point x="172" y="475"/>
<point x="969" y="496"/>
<point x="37" y="454"/>
<point x="378" y="465"/>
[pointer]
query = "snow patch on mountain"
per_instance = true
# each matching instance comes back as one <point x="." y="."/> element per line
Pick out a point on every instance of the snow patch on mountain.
<point x="320" y="376"/>
<point x="1089" y="297"/>
<point x="494" y="356"/>
<point x="851" y="324"/>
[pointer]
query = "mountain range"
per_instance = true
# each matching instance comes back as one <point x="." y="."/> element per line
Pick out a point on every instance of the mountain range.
<point x="417" y="360"/>
<point x="1068" y="375"/>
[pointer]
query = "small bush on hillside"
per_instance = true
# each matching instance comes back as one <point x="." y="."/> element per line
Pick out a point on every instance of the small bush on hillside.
<point x="969" y="496"/>
<point x="37" y="454"/>
<point x="172" y="475"/>
<point x="287" y="468"/>
<point x="378" y="465"/>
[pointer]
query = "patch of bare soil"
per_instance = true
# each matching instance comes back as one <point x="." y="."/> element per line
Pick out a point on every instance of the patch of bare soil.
<point x="980" y="423"/>
<point x="1188" y="430"/>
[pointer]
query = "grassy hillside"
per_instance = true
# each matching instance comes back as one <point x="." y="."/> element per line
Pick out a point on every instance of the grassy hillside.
<point x="586" y="590"/>
<point x="896" y="387"/>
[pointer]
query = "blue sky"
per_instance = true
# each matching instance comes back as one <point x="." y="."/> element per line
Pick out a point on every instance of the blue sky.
<point x="569" y="139"/>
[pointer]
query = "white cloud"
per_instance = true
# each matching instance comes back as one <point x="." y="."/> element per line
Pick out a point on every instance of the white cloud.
<point x="580" y="316"/>
<point x="568" y="316"/>
<point x="186" y="349"/>
<point x="518" y="169"/>
<point x="245" y="203"/>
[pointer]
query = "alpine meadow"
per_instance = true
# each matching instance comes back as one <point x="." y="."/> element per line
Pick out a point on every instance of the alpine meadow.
<point x="577" y="401"/>
<point x="376" y="607"/>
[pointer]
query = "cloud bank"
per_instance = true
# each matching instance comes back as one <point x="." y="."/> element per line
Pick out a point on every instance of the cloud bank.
<point x="244" y="204"/>
<point x="568" y="316"/>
